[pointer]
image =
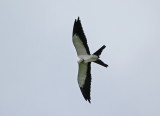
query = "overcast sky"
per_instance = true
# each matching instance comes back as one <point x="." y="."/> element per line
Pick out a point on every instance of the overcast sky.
<point x="38" y="62"/>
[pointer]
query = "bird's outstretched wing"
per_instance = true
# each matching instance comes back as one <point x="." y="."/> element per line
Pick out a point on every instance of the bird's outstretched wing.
<point x="84" y="80"/>
<point x="79" y="39"/>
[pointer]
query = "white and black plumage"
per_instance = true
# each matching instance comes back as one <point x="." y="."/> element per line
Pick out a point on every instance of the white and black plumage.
<point x="84" y="59"/>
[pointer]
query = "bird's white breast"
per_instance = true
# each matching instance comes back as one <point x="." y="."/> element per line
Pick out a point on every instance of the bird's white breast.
<point x="87" y="58"/>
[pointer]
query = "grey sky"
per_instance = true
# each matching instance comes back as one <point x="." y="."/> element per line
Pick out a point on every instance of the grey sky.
<point x="38" y="67"/>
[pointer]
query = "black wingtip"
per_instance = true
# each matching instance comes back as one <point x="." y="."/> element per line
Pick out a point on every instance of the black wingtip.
<point x="78" y="30"/>
<point x="86" y="94"/>
<point x="89" y="101"/>
<point x="77" y="27"/>
<point x="78" y="19"/>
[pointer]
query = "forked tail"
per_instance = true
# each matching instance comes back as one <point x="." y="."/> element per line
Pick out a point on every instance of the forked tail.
<point x="100" y="62"/>
<point x="98" y="53"/>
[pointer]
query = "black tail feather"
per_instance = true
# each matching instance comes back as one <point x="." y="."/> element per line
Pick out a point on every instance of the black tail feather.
<point x="100" y="62"/>
<point x="99" y="51"/>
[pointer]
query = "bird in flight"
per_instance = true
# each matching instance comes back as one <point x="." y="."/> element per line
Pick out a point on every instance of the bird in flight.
<point x="85" y="59"/>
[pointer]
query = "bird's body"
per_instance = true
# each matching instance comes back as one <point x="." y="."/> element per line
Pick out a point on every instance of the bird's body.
<point x="84" y="59"/>
<point x="87" y="58"/>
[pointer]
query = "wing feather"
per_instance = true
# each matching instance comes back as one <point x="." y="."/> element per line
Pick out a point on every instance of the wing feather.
<point x="84" y="80"/>
<point x="79" y="39"/>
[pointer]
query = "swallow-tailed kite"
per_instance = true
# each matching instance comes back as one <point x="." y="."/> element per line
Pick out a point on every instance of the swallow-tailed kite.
<point x="84" y="59"/>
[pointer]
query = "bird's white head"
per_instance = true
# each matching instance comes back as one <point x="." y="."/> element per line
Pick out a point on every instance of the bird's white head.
<point x="80" y="60"/>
